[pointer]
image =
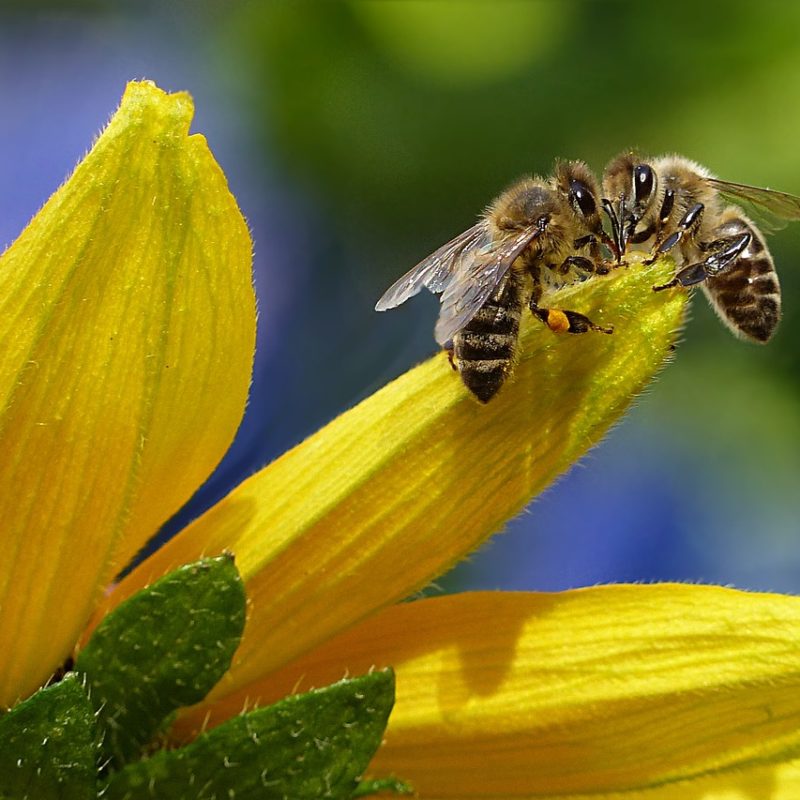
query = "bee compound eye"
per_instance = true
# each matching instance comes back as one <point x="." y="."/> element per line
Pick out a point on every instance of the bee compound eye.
<point x="643" y="183"/>
<point x="582" y="197"/>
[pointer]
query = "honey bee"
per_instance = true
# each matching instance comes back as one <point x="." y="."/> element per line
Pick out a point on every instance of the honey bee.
<point x="672" y="202"/>
<point x="536" y="233"/>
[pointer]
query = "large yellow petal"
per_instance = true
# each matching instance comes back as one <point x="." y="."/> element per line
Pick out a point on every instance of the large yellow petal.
<point x="589" y="692"/>
<point x="393" y="492"/>
<point x="128" y="320"/>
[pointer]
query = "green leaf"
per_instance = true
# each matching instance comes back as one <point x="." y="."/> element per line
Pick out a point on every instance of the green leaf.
<point x="369" y="788"/>
<point x="305" y="747"/>
<point x="47" y="746"/>
<point x="163" y="648"/>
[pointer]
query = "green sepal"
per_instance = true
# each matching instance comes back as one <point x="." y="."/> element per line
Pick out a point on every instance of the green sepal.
<point x="305" y="747"/>
<point x="162" y="649"/>
<point x="382" y="786"/>
<point x="47" y="746"/>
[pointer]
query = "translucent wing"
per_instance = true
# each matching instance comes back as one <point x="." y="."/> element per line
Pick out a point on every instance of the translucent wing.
<point x="779" y="205"/>
<point x="435" y="271"/>
<point x="477" y="274"/>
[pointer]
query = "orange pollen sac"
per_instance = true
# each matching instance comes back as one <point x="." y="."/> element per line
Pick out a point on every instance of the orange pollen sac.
<point x="557" y="321"/>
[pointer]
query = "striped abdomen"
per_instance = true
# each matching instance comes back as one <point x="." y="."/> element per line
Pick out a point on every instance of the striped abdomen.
<point x="746" y="295"/>
<point x="485" y="348"/>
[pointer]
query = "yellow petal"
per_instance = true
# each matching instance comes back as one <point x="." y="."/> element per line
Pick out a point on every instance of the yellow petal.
<point x="127" y="319"/>
<point x="398" y="489"/>
<point x="753" y="782"/>
<point x="610" y="689"/>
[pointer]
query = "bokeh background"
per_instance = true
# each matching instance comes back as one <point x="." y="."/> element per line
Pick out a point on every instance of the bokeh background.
<point x="358" y="136"/>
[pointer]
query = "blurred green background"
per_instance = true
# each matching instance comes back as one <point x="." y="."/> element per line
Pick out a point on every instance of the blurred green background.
<point x="358" y="136"/>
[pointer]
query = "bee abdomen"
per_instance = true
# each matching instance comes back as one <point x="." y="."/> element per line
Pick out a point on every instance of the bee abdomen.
<point x="747" y="295"/>
<point x="485" y="348"/>
<point x="492" y="318"/>
<point x="749" y="298"/>
<point x="484" y="377"/>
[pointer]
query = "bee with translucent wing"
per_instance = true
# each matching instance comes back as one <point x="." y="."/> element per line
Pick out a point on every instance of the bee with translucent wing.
<point x="537" y="231"/>
<point x="672" y="202"/>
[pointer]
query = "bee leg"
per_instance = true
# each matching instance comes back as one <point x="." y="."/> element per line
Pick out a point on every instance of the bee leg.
<point x="565" y="321"/>
<point x="448" y="348"/>
<point x="584" y="241"/>
<point x="686" y="227"/>
<point x="596" y="242"/>
<point x="667" y="204"/>
<point x="582" y="264"/>
<point x="723" y="253"/>
<point x="593" y="242"/>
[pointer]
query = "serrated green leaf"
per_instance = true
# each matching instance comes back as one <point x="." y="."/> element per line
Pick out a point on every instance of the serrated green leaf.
<point x="370" y="788"/>
<point x="305" y="747"/>
<point x="47" y="746"/>
<point x="163" y="648"/>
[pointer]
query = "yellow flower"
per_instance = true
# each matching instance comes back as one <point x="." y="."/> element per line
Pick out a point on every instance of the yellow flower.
<point x="129" y="328"/>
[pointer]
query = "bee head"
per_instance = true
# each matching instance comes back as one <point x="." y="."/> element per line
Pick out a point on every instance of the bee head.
<point x="582" y="200"/>
<point x="644" y="187"/>
<point x="576" y="183"/>
<point x="629" y="189"/>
